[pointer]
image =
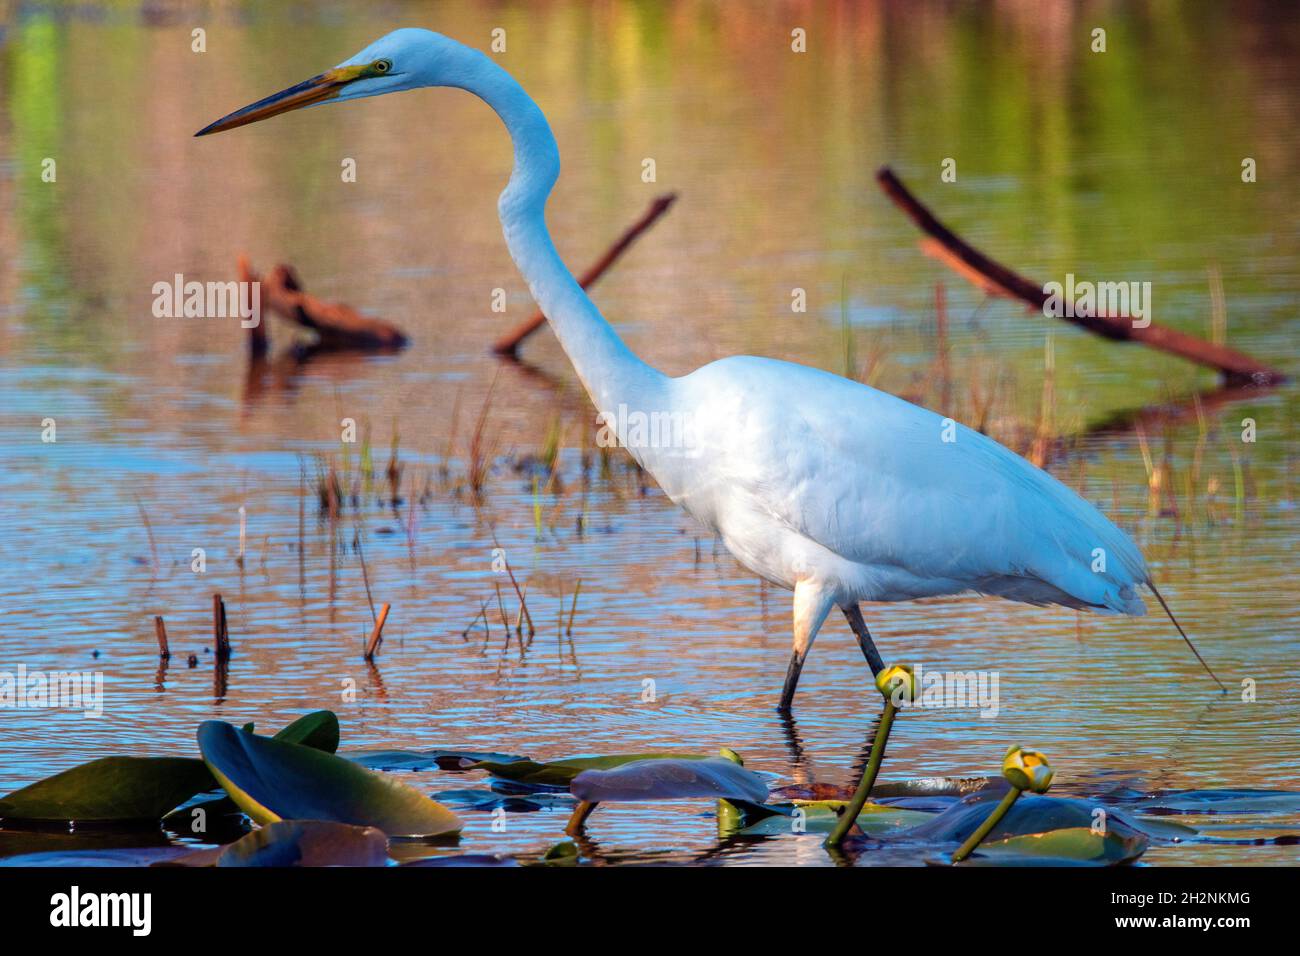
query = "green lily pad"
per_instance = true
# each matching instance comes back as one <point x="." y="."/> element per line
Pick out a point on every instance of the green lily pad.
<point x="319" y="729"/>
<point x="560" y="773"/>
<point x="669" y="778"/>
<point x="308" y="843"/>
<point x="221" y="815"/>
<point x="272" y="780"/>
<point x="1056" y="827"/>
<point x="1072" y="845"/>
<point x="141" y="789"/>
<point x="124" y="789"/>
<point x="562" y="854"/>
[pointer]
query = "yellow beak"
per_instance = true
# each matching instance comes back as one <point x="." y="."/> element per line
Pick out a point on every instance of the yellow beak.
<point x="325" y="86"/>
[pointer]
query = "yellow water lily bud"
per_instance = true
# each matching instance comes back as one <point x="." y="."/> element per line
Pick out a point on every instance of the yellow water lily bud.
<point x="898" y="683"/>
<point x="1027" y="770"/>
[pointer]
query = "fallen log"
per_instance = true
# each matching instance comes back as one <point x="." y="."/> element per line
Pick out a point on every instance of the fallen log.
<point x="508" y="344"/>
<point x="336" y="326"/>
<point x="996" y="279"/>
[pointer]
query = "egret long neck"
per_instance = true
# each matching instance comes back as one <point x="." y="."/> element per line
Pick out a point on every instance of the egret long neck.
<point x="610" y="371"/>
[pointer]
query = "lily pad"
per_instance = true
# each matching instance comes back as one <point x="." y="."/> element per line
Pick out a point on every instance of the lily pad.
<point x="57" y="839"/>
<point x="308" y="843"/>
<point x="452" y="761"/>
<point x="1037" y="817"/>
<point x="124" y="789"/>
<point x="140" y="789"/>
<point x="272" y="780"/>
<point x="562" y="854"/>
<point x="1220" y="801"/>
<point x="560" y="773"/>
<point x="809" y="816"/>
<point x="117" y="857"/>
<point x="485" y="799"/>
<point x="319" y="729"/>
<point x="669" y="778"/>
<point x="1072" y="845"/>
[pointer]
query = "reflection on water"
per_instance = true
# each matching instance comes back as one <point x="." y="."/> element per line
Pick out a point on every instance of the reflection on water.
<point x="1120" y="165"/>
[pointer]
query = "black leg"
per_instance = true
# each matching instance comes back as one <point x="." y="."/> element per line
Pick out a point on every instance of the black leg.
<point x="791" y="681"/>
<point x="854" y="614"/>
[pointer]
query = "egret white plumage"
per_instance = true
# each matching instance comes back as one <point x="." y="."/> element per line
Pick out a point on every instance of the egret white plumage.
<point x="818" y="484"/>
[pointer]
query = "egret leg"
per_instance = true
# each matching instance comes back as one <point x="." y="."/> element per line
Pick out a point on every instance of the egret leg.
<point x="791" y="680"/>
<point x="811" y="605"/>
<point x="854" y="613"/>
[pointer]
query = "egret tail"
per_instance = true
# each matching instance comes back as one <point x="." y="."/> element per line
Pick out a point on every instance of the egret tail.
<point x="1152" y="585"/>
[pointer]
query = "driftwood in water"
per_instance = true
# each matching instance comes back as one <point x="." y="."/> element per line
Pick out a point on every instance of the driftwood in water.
<point x="508" y="344"/>
<point x="336" y="326"/>
<point x="997" y="279"/>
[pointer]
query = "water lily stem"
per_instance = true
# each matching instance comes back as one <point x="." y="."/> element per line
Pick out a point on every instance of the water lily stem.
<point x="580" y="814"/>
<point x="998" y="813"/>
<point x="850" y="814"/>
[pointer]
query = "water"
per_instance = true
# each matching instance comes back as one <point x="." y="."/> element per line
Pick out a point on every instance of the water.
<point x="1122" y="165"/>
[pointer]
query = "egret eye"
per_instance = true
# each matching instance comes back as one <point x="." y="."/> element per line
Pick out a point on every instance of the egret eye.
<point x="383" y="66"/>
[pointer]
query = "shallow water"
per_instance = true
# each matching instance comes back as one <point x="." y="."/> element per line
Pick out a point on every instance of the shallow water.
<point x="1123" y="165"/>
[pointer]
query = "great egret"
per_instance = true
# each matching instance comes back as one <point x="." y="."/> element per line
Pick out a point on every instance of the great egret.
<point x="818" y="484"/>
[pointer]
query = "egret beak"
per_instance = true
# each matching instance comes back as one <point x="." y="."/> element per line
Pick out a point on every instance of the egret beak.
<point x="325" y="86"/>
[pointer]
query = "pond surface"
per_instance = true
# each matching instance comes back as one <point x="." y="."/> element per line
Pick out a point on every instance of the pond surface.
<point x="1123" y="165"/>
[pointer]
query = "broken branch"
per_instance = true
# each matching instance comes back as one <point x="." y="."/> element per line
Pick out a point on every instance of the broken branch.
<point x="997" y="279"/>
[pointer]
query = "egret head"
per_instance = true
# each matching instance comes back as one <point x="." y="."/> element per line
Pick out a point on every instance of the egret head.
<point x="403" y="60"/>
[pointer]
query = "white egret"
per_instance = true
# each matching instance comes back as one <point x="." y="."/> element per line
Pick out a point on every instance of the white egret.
<point x="818" y="484"/>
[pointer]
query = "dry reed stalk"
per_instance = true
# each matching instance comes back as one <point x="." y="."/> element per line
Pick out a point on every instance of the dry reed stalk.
<point x="523" y="604"/>
<point x="577" y="589"/>
<point x="377" y="635"/>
